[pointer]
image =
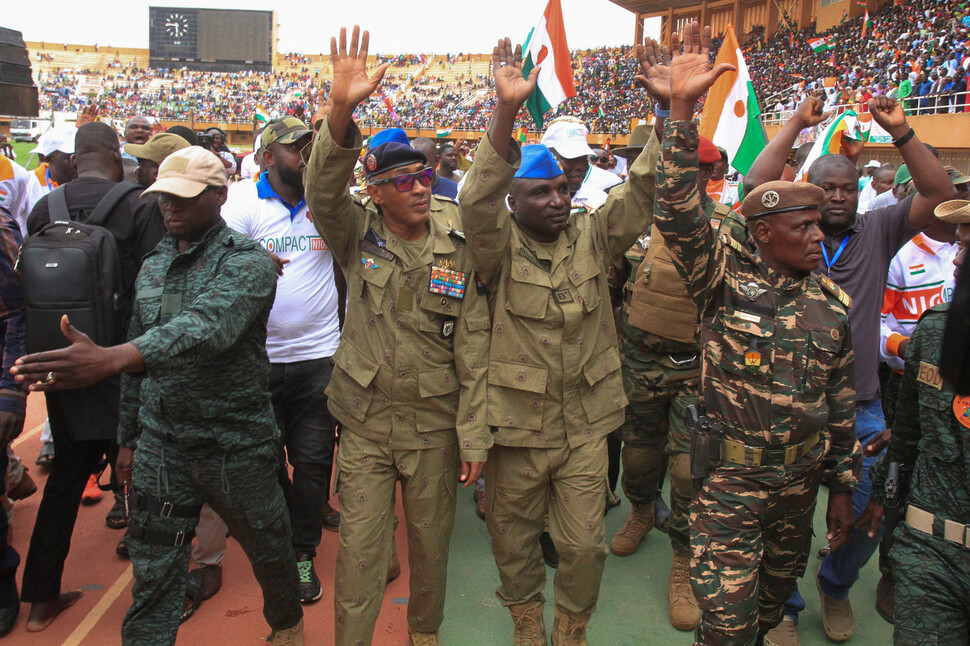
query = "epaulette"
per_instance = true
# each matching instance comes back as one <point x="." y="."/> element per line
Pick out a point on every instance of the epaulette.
<point x="445" y="198"/>
<point x="721" y="207"/>
<point x="455" y="233"/>
<point x="734" y="244"/>
<point x="829" y="285"/>
<point x="581" y="206"/>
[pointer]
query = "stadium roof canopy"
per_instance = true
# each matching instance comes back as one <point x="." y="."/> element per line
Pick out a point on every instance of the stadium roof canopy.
<point x="654" y="6"/>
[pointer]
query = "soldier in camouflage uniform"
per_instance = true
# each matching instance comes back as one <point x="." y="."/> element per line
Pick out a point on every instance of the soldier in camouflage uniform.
<point x="931" y="434"/>
<point x="776" y="380"/>
<point x="411" y="368"/>
<point x="661" y="374"/>
<point x="555" y="387"/>
<point x="195" y="405"/>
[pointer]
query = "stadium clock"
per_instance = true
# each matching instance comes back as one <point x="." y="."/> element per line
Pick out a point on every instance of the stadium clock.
<point x="176" y="26"/>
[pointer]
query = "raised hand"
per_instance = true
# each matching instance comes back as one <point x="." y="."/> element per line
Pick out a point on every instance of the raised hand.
<point x="351" y="84"/>
<point x="511" y="88"/>
<point x="654" y="71"/>
<point x="690" y="70"/>
<point x="811" y="112"/>
<point x="889" y="114"/>
<point x="89" y="114"/>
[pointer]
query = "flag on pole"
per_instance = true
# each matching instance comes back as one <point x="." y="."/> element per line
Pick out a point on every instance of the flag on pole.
<point x="546" y="46"/>
<point x="730" y="117"/>
<point x="260" y="115"/>
<point x="866" y="23"/>
<point x="818" y="45"/>
<point x="830" y="142"/>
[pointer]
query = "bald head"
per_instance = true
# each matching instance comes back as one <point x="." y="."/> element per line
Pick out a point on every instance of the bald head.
<point x="428" y="147"/>
<point x="138" y="130"/>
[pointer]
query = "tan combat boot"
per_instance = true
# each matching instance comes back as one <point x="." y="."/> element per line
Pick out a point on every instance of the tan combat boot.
<point x="530" y="629"/>
<point x="626" y="541"/>
<point x="423" y="639"/>
<point x="684" y="613"/>
<point x="569" y="629"/>
<point x="289" y="637"/>
<point x="784" y="634"/>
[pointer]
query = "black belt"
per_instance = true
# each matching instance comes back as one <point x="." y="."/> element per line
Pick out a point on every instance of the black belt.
<point x="158" y="537"/>
<point x="139" y="500"/>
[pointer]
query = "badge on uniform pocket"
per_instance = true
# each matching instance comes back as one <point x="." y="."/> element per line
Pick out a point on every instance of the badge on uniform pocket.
<point x="752" y="358"/>
<point x="447" y="281"/>
<point x="448" y="327"/>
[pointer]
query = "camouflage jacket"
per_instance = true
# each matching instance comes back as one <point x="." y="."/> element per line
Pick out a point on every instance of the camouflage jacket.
<point x="413" y="360"/>
<point x="777" y="356"/>
<point x="199" y="321"/>
<point x="931" y="431"/>
<point x="554" y="373"/>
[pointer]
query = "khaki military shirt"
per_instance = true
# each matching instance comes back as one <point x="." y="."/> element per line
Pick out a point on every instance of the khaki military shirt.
<point x="554" y="373"/>
<point x="777" y="355"/>
<point x="413" y="358"/>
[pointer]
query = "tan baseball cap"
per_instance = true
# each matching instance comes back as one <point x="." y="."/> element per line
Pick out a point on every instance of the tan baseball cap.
<point x="954" y="211"/>
<point x="158" y="147"/>
<point x="188" y="172"/>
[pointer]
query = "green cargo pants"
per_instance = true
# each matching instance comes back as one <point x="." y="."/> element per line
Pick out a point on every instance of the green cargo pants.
<point x="242" y="487"/>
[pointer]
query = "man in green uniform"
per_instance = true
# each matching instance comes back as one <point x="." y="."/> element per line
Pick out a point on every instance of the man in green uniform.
<point x="776" y="380"/>
<point x="931" y="435"/>
<point x="661" y="374"/>
<point x="409" y="382"/>
<point x="555" y="388"/>
<point x="195" y="407"/>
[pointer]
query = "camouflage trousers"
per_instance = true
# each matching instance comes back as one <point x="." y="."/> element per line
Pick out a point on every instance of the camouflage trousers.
<point x="367" y="477"/>
<point x="243" y="488"/>
<point x="750" y="534"/>
<point x="524" y="486"/>
<point x="660" y="387"/>
<point x="932" y="590"/>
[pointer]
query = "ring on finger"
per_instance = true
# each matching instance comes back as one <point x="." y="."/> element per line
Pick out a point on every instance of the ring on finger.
<point x="50" y="378"/>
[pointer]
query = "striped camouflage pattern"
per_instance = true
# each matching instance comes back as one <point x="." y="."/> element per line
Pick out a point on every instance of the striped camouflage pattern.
<point x="797" y="379"/>
<point x="932" y="575"/>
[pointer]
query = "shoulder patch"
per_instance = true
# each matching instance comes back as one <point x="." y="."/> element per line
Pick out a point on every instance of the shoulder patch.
<point x="829" y="285"/>
<point x="720" y="207"/>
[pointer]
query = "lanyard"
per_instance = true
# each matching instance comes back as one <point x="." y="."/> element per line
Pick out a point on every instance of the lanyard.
<point x="47" y="177"/>
<point x="835" y="258"/>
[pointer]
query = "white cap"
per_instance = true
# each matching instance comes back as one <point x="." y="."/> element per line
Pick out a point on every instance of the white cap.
<point x="57" y="138"/>
<point x="567" y="136"/>
<point x="873" y="164"/>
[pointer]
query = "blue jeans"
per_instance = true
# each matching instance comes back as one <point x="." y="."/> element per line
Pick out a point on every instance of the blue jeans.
<point x="841" y="567"/>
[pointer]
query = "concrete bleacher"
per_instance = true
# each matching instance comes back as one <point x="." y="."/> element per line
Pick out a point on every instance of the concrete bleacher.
<point x="67" y="56"/>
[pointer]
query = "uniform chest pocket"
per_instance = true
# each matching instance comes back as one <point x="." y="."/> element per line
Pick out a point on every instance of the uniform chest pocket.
<point x="936" y="412"/>
<point x="434" y="310"/>
<point x="149" y="305"/>
<point x="528" y="291"/>
<point x="662" y="276"/>
<point x="823" y="346"/>
<point x="375" y="273"/>
<point x="585" y="276"/>
<point x="747" y="346"/>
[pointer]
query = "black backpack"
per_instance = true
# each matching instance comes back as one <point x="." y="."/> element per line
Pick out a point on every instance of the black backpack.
<point x="73" y="268"/>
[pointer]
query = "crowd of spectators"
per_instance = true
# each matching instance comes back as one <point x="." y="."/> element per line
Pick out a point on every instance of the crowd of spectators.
<point x="915" y="51"/>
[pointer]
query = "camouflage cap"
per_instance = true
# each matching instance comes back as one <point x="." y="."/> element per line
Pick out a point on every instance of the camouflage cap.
<point x="781" y="197"/>
<point x="956" y="177"/>
<point x="158" y="147"/>
<point x="954" y="211"/>
<point x="284" y="131"/>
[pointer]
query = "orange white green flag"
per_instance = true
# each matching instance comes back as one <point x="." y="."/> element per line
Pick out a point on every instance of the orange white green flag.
<point x="546" y="46"/>
<point x="830" y="141"/>
<point x="730" y="116"/>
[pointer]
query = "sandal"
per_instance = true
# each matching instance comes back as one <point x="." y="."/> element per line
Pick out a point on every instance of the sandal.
<point x="116" y="518"/>
<point x="201" y="583"/>
<point x="122" y="547"/>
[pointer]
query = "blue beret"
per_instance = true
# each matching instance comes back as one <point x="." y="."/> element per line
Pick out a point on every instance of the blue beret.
<point x="538" y="163"/>
<point x="391" y="155"/>
<point x="391" y="134"/>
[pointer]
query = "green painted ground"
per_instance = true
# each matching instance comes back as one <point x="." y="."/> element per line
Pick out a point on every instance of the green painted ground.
<point x="633" y="598"/>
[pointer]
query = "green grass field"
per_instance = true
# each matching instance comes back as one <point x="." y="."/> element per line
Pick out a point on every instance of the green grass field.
<point x="23" y="148"/>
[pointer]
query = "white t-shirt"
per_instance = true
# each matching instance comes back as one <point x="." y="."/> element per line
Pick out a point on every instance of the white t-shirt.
<point x="303" y="323"/>
<point x="14" y="196"/>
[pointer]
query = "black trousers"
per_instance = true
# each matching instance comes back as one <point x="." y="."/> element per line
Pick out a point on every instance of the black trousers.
<point x="9" y="559"/>
<point x="73" y="464"/>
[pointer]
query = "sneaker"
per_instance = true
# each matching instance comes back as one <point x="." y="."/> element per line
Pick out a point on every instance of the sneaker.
<point x="92" y="492"/>
<point x="784" y="634"/>
<point x="310" y="589"/>
<point x="837" y="618"/>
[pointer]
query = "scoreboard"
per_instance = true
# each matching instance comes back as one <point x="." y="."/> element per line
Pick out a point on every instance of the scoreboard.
<point x="213" y="40"/>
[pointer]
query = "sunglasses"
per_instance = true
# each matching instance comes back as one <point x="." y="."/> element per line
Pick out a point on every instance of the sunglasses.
<point x="404" y="183"/>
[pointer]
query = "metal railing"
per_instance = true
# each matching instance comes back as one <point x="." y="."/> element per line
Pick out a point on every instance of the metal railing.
<point x="943" y="103"/>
